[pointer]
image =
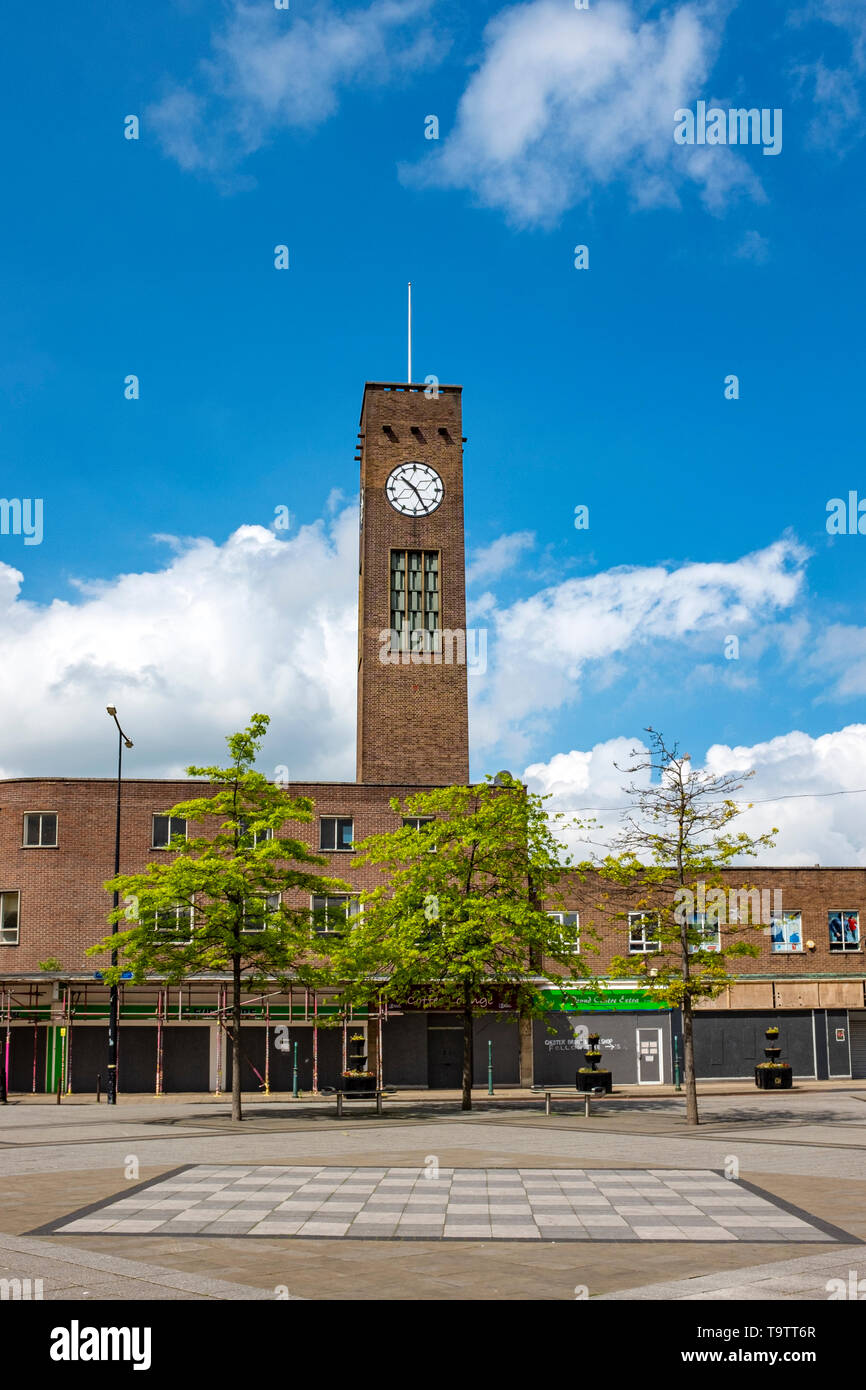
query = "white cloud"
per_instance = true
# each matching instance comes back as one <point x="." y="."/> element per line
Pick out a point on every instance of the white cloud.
<point x="271" y="70"/>
<point x="792" y="774"/>
<point x="836" y="91"/>
<point x="542" y="647"/>
<point x="567" y="100"/>
<point x="753" y="247"/>
<point x="491" y="561"/>
<point x="187" y="653"/>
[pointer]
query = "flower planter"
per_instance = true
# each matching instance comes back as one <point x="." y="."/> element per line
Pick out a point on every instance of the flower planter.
<point x="592" y="1080"/>
<point x="774" y="1078"/>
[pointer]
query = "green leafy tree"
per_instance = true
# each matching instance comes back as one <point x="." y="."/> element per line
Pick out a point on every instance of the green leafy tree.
<point x="214" y="902"/>
<point x="667" y="864"/>
<point x="459" y="913"/>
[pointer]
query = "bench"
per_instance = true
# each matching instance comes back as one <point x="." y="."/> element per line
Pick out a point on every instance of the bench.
<point x="585" y="1095"/>
<point x="342" y="1096"/>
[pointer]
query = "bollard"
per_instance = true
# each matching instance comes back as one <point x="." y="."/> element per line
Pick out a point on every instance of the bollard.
<point x="98" y="1086"/>
<point x="547" y="1102"/>
<point x="339" y="1104"/>
<point x="378" y="1102"/>
<point x="295" y="1074"/>
<point x="586" y="1103"/>
<point x="489" y="1067"/>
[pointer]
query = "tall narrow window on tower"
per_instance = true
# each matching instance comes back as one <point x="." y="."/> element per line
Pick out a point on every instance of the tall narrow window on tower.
<point x="414" y="598"/>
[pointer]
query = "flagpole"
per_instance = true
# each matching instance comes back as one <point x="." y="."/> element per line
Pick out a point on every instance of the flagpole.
<point x="409" y="338"/>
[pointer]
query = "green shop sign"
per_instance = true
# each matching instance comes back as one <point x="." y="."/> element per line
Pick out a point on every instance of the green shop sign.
<point x="612" y="999"/>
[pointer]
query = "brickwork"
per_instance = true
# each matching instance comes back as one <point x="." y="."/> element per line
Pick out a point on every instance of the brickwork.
<point x="413" y="723"/>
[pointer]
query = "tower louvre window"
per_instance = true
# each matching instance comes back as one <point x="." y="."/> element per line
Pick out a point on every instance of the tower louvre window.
<point x="415" y="590"/>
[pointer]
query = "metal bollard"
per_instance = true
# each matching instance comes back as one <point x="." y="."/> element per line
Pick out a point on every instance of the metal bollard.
<point x="339" y="1104"/>
<point x="586" y="1103"/>
<point x="547" y="1102"/>
<point x="98" y="1086"/>
<point x="378" y="1102"/>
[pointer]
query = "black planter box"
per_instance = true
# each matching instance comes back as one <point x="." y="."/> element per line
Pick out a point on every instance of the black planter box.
<point x="774" y="1078"/>
<point x="589" y="1080"/>
<point x="358" y="1085"/>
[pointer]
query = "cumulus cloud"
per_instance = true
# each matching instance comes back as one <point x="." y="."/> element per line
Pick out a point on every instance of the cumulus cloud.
<point x="566" y="101"/>
<point x="491" y="561"/>
<point x="187" y="653"/>
<point x="542" y="647"/>
<point x="836" y="89"/>
<point x="793" y="775"/>
<point x="270" y="70"/>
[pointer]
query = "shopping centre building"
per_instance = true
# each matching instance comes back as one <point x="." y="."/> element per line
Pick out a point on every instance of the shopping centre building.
<point x="57" y="850"/>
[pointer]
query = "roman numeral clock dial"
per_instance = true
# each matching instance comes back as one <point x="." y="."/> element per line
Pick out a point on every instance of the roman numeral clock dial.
<point x="415" y="489"/>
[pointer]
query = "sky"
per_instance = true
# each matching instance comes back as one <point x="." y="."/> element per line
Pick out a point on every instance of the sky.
<point x="706" y="596"/>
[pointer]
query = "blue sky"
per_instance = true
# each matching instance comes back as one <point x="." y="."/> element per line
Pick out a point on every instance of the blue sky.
<point x="603" y="387"/>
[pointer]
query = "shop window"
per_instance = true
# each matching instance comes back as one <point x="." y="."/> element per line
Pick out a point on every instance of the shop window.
<point x="844" y="930"/>
<point x="786" y="931"/>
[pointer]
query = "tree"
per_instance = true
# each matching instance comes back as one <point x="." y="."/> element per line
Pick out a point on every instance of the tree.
<point x="672" y="850"/>
<point x="459" y="913"/>
<point x="215" y="902"/>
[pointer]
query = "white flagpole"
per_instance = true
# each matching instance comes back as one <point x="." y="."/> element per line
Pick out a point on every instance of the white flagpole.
<point x="409" y="328"/>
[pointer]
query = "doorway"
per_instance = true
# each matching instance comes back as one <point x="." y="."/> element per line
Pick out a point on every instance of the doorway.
<point x="444" y="1053"/>
<point x="650" y="1069"/>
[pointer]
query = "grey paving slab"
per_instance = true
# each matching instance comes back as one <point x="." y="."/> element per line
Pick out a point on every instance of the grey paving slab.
<point x="470" y="1204"/>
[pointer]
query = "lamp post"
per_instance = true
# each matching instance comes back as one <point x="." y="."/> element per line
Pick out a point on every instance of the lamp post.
<point x="111" y="1088"/>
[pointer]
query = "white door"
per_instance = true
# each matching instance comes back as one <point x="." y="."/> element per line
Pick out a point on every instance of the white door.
<point x="650" y="1066"/>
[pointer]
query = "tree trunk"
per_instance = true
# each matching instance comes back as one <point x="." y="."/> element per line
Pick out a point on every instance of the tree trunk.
<point x="236" y="1038"/>
<point x="467" y="1048"/>
<point x="689" y="1063"/>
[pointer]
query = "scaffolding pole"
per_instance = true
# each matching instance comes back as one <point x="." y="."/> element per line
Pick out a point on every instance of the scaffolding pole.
<point x="315" y="1045"/>
<point x="267" y="1048"/>
<point x="159" y="1042"/>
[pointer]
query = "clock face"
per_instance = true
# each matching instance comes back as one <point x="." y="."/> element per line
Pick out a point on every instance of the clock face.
<point x="415" y="489"/>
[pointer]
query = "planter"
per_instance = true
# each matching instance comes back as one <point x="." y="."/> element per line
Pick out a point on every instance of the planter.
<point x="592" y="1080"/>
<point x="774" y="1078"/>
<point x="358" y="1085"/>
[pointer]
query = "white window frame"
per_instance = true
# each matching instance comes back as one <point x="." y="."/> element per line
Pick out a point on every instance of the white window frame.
<point x="842" y="948"/>
<point x="785" y="948"/>
<point x="4" y="894"/>
<point x="337" y="848"/>
<point x="178" y="908"/>
<point x="706" y="923"/>
<point x="172" y="820"/>
<point x="416" y="823"/>
<point x="572" y="943"/>
<point x="39" y="843"/>
<point x="347" y="899"/>
<point x="272" y="903"/>
<point x="648" y="948"/>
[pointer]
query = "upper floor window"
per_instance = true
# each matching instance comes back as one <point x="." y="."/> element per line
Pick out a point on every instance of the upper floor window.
<point x="704" y="928"/>
<point x="40" y="828"/>
<point x="9" y="918"/>
<point x="333" y="912"/>
<point x="336" y="832"/>
<point x="569" y="929"/>
<point x="844" y="929"/>
<point x="786" y="931"/>
<point x="643" y="932"/>
<point x="175" y="922"/>
<point x="257" y="837"/>
<point x="419" y="823"/>
<point x="414" y="594"/>
<point x="257" y="910"/>
<point x="164" y="830"/>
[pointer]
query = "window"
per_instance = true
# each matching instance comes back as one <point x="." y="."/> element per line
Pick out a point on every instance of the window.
<point x="418" y="823"/>
<point x="175" y="922"/>
<point x="569" y="933"/>
<point x="336" y="832"/>
<point x="256" y="910"/>
<point x="9" y="919"/>
<point x="332" y="912"/>
<point x="844" y="929"/>
<point x="706" y="926"/>
<point x="414" y="595"/>
<point x="786" y="931"/>
<point x="40" y="828"/>
<point x="165" y="828"/>
<point x="643" y="933"/>
<point x="257" y="837"/>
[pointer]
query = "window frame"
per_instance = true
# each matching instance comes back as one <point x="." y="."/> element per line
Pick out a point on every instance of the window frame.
<point x="179" y="907"/>
<point x="344" y="898"/>
<point x="39" y="843"/>
<point x="649" y="947"/>
<point x="843" y="947"/>
<point x="397" y="641"/>
<point x="336" y="848"/>
<point x="10" y="893"/>
<point x="785" y="948"/>
<point x="158" y="815"/>
<point x="707" y="920"/>
<point x="415" y="823"/>
<point x="558" y="917"/>
<point x="267" y="897"/>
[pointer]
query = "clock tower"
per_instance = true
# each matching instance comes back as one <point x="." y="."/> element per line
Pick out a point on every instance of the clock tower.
<point x="413" y="723"/>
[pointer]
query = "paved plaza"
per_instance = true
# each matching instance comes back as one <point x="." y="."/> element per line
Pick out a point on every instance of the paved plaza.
<point x="169" y="1199"/>
<point x="441" y="1204"/>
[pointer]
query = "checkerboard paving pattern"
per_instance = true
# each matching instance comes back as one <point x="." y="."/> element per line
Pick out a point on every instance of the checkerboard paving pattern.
<point x="453" y="1204"/>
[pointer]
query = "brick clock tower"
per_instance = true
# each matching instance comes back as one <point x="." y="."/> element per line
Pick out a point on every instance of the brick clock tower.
<point x="413" y="722"/>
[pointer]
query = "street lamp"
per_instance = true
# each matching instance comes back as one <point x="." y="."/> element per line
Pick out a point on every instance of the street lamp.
<point x="111" y="1089"/>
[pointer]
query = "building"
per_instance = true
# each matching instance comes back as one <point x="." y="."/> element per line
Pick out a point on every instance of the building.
<point x="57" y="849"/>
